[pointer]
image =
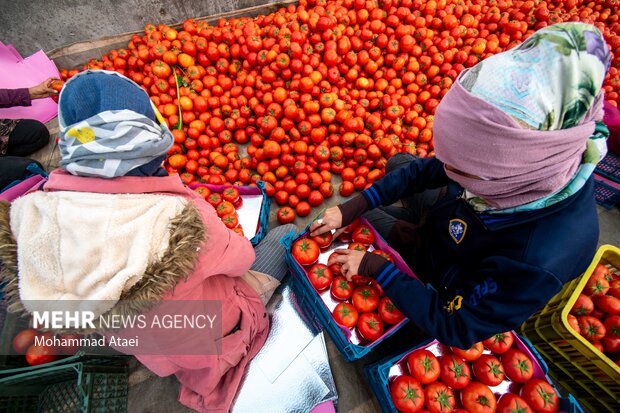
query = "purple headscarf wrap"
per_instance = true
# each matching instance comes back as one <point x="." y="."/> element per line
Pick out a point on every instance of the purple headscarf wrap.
<point x="520" y="162"/>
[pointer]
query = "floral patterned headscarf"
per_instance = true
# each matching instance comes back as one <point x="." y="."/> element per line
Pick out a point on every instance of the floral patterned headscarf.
<point x="549" y="81"/>
<point x="528" y="121"/>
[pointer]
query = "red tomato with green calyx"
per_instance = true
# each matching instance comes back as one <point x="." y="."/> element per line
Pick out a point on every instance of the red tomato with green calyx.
<point x="540" y="396"/>
<point x="406" y="394"/>
<point x="306" y="251"/>
<point x="365" y="299"/>
<point x="500" y="342"/>
<point x="488" y="370"/>
<point x="320" y="276"/>
<point x="341" y="289"/>
<point x="455" y="371"/>
<point x="389" y="313"/>
<point x="478" y="398"/>
<point x="345" y="315"/>
<point x="423" y="365"/>
<point x="370" y="326"/>
<point x="324" y="240"/>
<point x="517" y="365"/>
<point x="439" y="398"/>
<point x="511" y="403"/>
<point x="363" y="235"/>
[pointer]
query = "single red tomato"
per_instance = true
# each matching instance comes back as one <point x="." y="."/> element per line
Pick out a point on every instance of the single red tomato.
<point x="517" y="365"/>
<point x="41" y="354"/>
<point x="365" y="299"/>
<point x="540" y="396"/>
<point x="363" y="234"/>
<point x="439" y="398"/>
<point x="607" y="304"/>
<point x="611" y="344"/>
<point x="341" y="288"/>
<point x="306" y="251"/>
<point x="345" y="315"/>
<point x="598" y="345"/>
<point x="511" y="403"/>
<point x="303" y="209"/>
<point x="285" y="215"/>
<point x="370" y="326"/>
<point x="573" y="323"/>
<point x="324" y="240"/>
<point x="23" y="340"/>
<point x="357" y="246"/>
<point x="600" y="272"/>
<point x="596" y="286"/>
<point x="591" y="328"/>
<point x="488" y="369"/>
<point x="478" y="398"/>
<point x="583" y="305"/>
<point x="389" y="313"/>
<point x="470" y="354"/>
<point x="406" y="394"/>
<point x="204" y="191"/>
<point x="349" y="228"/>
<point x="500" y="342"/>
<point x="231" y="220"/>
<point x="455" y="371"/>
<point x="612" y="326"/>
<point x="320" y="276"/>
<point x="225" y="208"/>
<point x="231" y="195"/>
<point x="215" y="199"/>
<point x="423" y="365"/>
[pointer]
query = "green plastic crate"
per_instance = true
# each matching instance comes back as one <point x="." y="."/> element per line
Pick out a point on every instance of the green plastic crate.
<point x="93" y="385"/>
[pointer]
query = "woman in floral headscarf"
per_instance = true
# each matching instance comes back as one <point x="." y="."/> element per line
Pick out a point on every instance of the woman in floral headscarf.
<point x="504" y="215"/>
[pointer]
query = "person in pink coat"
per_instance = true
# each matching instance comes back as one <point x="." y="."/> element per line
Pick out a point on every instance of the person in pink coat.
<point x="111" y="225"/>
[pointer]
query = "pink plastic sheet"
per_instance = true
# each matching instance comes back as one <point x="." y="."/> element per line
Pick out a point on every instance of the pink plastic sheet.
<point x="16" y="72"/>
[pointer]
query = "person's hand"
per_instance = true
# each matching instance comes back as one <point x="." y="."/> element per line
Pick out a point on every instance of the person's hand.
<point x="332" y="219"/>
<point x="349" y="259"/>
<point x="43" y="89"/>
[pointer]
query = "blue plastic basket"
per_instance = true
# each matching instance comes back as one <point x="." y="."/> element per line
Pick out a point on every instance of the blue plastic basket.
<point x="378" y="377"/>
<point x="315" y="311"/>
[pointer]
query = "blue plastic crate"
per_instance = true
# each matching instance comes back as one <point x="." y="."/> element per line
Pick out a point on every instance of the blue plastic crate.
<point x="378" y="376"/>
<point x="313" y="308"/>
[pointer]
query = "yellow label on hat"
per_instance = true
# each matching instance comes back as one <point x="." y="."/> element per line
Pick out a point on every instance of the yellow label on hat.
<point x="84" y="135"/>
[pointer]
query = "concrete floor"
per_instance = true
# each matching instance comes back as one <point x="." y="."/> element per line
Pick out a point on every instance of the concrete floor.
<point x="149" y="393"/>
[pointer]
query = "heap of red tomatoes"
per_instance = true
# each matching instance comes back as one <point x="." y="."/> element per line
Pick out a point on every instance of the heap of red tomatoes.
<point x="226" y="204"/>
<point x="499" y="379"/>
<point x="360" y="303"/>
<point x="325" y="87"/>
<point x="596" y="313"/>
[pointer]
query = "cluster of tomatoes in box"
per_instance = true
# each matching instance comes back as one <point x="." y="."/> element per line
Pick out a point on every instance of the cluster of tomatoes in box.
<point x="226" y="205"/>
<point x="596" y="313"/>
<point x="491" y="376"/>
<point x="33" y="344"/>
<point x="358" y="303"/>
<point x="325" y="87"/>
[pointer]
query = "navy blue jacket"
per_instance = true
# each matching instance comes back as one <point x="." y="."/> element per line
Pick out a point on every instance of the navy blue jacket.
<point x="490" y="272"/>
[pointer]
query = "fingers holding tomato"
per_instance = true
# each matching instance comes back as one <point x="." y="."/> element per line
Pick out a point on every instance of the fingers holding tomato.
<point x="349" y="261"/>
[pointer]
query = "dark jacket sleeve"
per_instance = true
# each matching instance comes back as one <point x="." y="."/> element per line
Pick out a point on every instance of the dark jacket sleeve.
<point x="14" y="97"/>
<point x="419" y="175"/>
<point x="486" y="301"/>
